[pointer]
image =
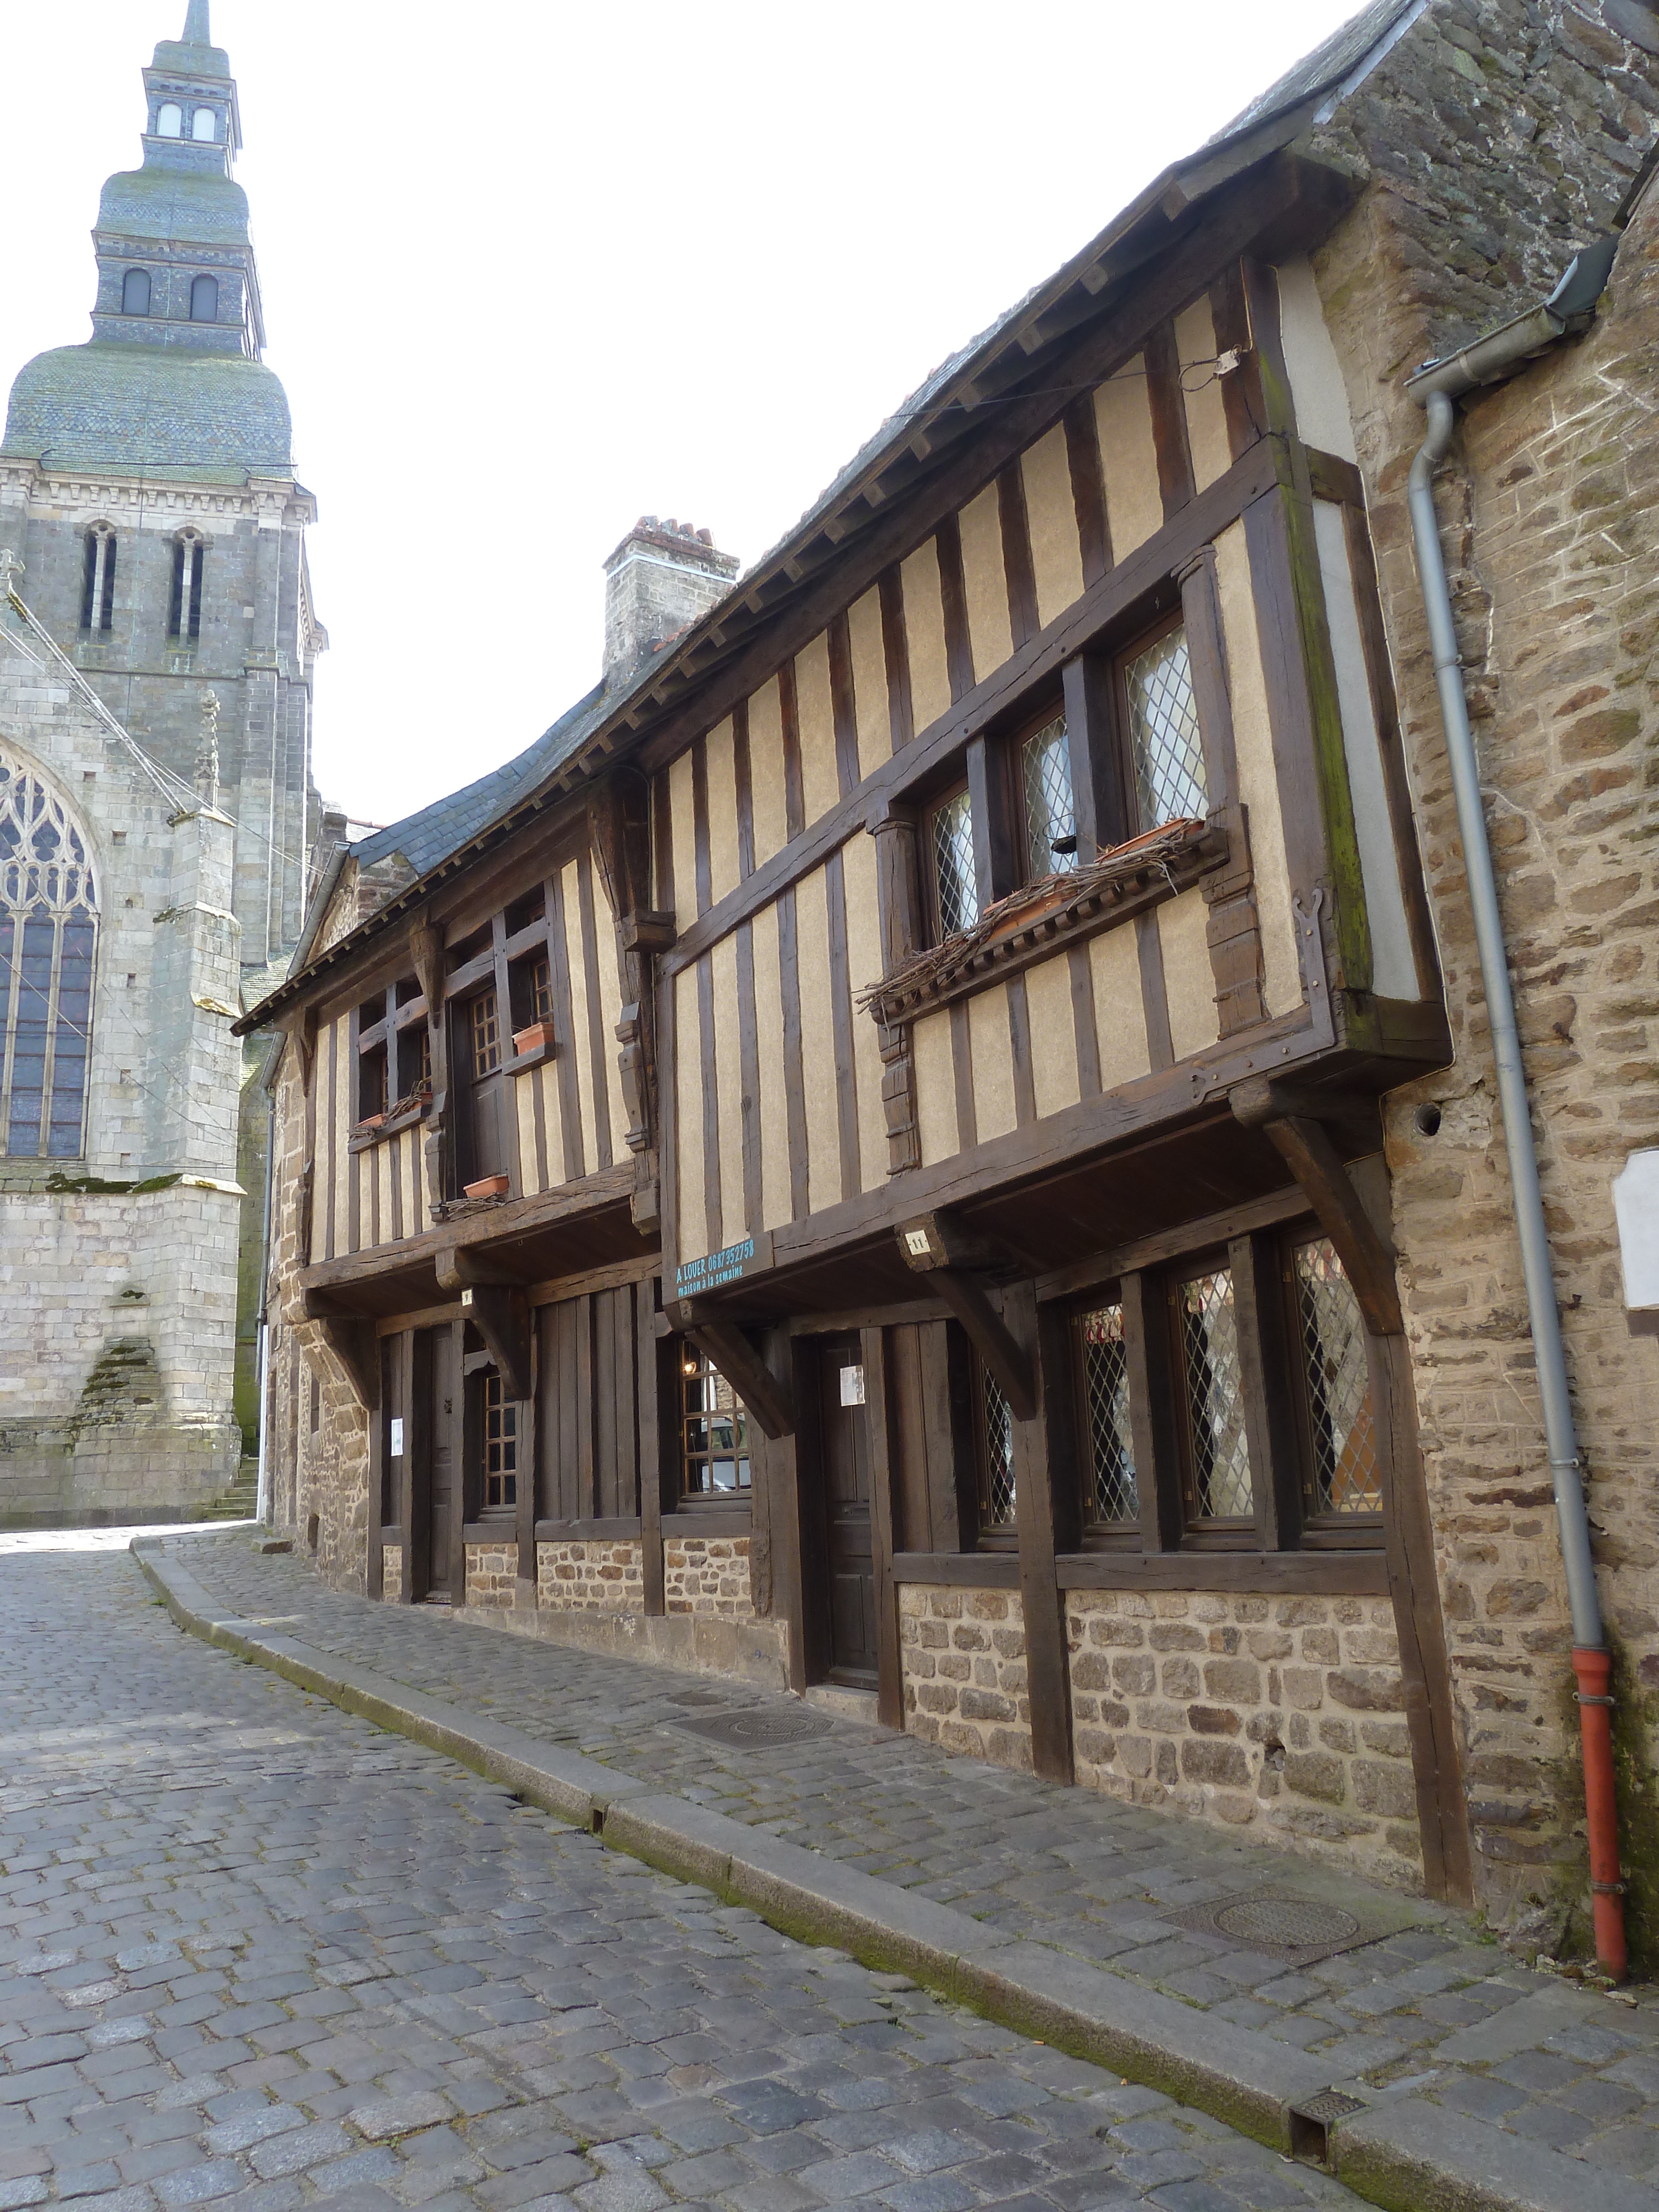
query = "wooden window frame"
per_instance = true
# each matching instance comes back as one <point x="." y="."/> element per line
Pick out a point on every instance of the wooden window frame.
<point x="1209" y="1531"/>
<point x="1033" y="725"/>
<point x="1142" y="641"/>
<point x="504" y="1509"/>
<point x="687" y="1500"/>
<point x="1095" y="1535"/>
<point x="929" y="809"/>
<point x="989" y="1536"/>
<point x="1320" y="1531"/>
<point x="383" y="1025"/>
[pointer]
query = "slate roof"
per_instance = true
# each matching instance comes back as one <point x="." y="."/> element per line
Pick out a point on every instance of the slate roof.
<point x="178" y="414"/>
<point x="192" y="207"/>
<point x="1324" y="69"/>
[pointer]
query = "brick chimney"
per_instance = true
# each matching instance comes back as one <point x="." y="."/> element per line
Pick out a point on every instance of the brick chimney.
<point x="660" y="579"/>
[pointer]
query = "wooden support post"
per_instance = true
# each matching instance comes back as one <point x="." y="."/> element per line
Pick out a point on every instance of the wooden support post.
<point x="1045" y="1506"/>
<point x="529" y="1458"/>
<point x="789" y="1361"/>
<point x="883" y="1533"/>
<point x="379" y="1412"/>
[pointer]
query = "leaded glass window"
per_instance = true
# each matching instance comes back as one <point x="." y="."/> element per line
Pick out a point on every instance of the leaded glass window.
<point x="500" y="1444"/>
<point x="1112" y="1494"/>
<point x="996" y="1472"/>
<point x="1050" y="816"/>
<point x="48" y="952"/>
<point x="713" y="1430"/>
<point x="954" y="880"/>
<point x="1345" y="1472"/>
<point x="1222" y="1488"/>
<point x="1164" y="733"/>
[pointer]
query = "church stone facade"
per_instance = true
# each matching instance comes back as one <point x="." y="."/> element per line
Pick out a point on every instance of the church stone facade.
<point x="159" y="603"/>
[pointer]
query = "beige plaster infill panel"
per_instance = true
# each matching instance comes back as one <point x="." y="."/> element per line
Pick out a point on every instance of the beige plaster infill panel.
<point x="547" y="1076"/>
<point x="924" y="634"/>
<point x="728" y="1076"/>
<point x="1206" y="410"/>
<point x="820" y="784"/>
<point x="766" y="770"/>
<point x="1120" y="1009"/>
<point x="991" y="1045"/>
<point x="1051" y="517"/>
<point x="1394" y="966"/>
<point x="818" y="1042"/>
<point x="870" y="707"/>
<point x="773" y="1104"/>
<point x="683" y="833"/>
<point x="411" y="1147"/>
<point x="936" y="1088"/>
<point x="1258" y="774"/>
<point x="858" y="860"/>
<point x="1316" y="387"/>
<point x="1123" y="419"/>
<point x="1189" y="978"/>
<point x="691" y="1239"/>
<point x="721" y="774"/>
<point x="985" y="583"/>
<point x="384" y="1162"/>
<point x="581" y="1041"/>
<point x="1053" y="1034"/>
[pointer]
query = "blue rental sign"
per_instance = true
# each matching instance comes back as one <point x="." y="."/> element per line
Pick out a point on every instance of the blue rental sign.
<point x="695" y="1278"/>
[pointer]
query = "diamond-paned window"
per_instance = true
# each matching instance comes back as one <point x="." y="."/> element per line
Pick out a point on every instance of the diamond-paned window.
<point x="1050" y="816"/>
<point x="1169" y="754"/>
<point x="1221" y="1485"/>
<point x="953" y="865"/>
<point x="1345" y="1470"/>
<point x="1113" y="1494"/>
<point x="996" y="1503"/>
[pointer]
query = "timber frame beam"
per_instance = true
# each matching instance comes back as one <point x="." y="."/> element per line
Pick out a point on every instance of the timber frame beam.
<point x="935" y="1246"/>
<point x="501" y="1317"/>
<point x="1305" y="1146"/>
<point x="734" y="1352"/>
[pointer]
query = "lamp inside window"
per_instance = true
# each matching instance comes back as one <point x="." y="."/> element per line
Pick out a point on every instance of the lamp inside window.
<point x="714" y="1431"/>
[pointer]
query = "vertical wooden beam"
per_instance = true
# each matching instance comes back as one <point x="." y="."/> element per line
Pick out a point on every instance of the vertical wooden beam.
<point x="423" y="1414"/>
<point x="840" y="1023"/>
<point x="794" y="1073"/>
<point x="843" y="710"/>
<point x="660" y="1403"/>
<point x="1095" y="757"/>
<point x="1264" y="1377"/>
<point x="529" y="1458"/>
<point x="1154" y="994"/>
<point x="1019" y="1042"/>
<point x="1153" y="1382"/>
<point x="749" y="1076"/>
<point x="1044" y="1492"/>
<point x="996" y="859"/>
<point x="461" y="1438"/>
<point x="794" y="790"/>
<point x="1088" y="488"/>
<point x="953" y="595"/>
<point x="744" y="779"/>
<point x="884" y="1531"/>
<point x="385" y="1399"/>
<point x="713" y="1217"/>
<point x="1015" y="527"/>
<point x="896" y="651"/>
<point x="790" y="1471"/>
<point x="1175" y="458"/>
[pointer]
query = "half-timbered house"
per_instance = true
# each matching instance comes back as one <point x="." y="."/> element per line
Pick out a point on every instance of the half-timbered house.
<point x="857" y="1160"/>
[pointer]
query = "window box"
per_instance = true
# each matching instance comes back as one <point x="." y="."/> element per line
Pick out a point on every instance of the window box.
<point x="536" y="1039"/>
<point x="495" y="1186"/>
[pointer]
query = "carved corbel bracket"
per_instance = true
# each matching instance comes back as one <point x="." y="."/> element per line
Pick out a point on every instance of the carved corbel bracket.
<point x="936" y="1246"/>
<point x="1281" y="1111"/>
<point x="736" y="1355"/>
<point x="501" y="1317"/>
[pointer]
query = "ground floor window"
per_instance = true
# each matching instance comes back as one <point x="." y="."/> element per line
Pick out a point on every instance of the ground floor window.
<point x="995" y="1451"/>
<point x="714" y="1431"/>
<point x="500" y="1445"/>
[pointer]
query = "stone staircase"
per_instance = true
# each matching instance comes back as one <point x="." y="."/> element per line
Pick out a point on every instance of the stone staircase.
<point x="240" y="1501"/>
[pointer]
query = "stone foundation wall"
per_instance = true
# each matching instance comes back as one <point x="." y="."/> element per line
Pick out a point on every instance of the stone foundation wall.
<point x="962" y="1653"/>
<point x="1282" y="1717"/>
<point x="606" y="1578"/>
<point x="707" y="1574"/>
<point x="392" y="1573"/>
<point x="492" y="1573"/>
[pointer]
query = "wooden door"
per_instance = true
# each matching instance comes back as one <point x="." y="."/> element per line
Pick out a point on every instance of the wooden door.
<point x="845" y="1446"/>
<point x="434" y="1532"/>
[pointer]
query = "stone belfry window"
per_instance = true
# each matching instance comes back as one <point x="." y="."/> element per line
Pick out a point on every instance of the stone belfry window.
<point x="98" y="581"/>
<point x="185" y="618"/>
<point x="48" y="946"/>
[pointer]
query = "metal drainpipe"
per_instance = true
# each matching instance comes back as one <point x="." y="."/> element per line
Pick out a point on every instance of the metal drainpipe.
<point x="1591" y="1661"/>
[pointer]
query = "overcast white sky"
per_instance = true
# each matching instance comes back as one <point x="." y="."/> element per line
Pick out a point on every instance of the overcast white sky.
<point x="531" y="270"/>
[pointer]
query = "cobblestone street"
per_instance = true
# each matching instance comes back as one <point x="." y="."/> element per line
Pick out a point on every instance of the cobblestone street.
<point x="255" y="1950"/>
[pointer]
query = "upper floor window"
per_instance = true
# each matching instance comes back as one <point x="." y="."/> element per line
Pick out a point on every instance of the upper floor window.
<point x="48" y="945"/>
<point x="205" y="300"/>
<point x="185" y="615"/>
<point x="1165" y="743"/>
<point x="1046" y="802"/>
<point x="135" y="292"/>
<point x="98" y="580"/>
<point x="170" y="121"/>
<point x="205" y="125"/>
<point x="713" y="1430"/>
<point x="956" y="892"/>
<point x="486" y="1032"/>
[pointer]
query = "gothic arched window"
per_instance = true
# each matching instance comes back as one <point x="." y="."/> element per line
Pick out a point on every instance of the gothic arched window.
<point x="170" y="121"/>
<point x="205" y="300"/>
<point x="48" y="947"/>
<point x="184" y="616"/>
<point x="135" y="292"/>
<point x="204" y="124"/>
<point x="98" y="582"/>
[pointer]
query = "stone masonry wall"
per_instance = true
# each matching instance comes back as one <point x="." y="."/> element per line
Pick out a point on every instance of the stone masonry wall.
<point x="492" y="1573"/>
<point x="962" y="1653"/>
<point x="707" y="1574"/>
<point x="591" y="1578"/>
<point x="392" y="1573"/>
<point x="1280" y="1717"/>
<point x="1550" y="531"/>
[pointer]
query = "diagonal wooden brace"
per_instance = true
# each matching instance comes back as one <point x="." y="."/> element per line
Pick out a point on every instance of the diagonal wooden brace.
<point x="735" y="1353"/>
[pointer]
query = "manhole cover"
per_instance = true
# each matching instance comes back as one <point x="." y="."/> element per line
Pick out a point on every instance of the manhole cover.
<point x="1291" y="1922"/>
<point x="1294" y="1930"/>
<point x="757" y="1729"/>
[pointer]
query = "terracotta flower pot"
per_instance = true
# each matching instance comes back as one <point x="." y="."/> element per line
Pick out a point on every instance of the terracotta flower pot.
<point x="371" y="1121"/>
<point x="489" y="1187"/>
<point x="532" y="1039"/>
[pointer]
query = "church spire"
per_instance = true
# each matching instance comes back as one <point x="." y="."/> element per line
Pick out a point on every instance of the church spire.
<point x="196" y="33"/>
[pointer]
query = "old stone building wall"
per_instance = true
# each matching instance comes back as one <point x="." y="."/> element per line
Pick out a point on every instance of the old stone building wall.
<point x="1548" y="524"/>
<point x="962" y="1653"/>
<point x="603" y="1577"/>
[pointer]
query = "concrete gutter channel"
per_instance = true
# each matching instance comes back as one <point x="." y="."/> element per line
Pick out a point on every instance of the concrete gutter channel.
<point x="1397" y="2150"/>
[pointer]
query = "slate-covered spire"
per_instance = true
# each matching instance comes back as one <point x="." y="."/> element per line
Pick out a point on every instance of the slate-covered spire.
<point x="196" y="33"/>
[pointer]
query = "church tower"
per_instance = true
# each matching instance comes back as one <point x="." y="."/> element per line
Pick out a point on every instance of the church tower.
<point x="147" y="480"/>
